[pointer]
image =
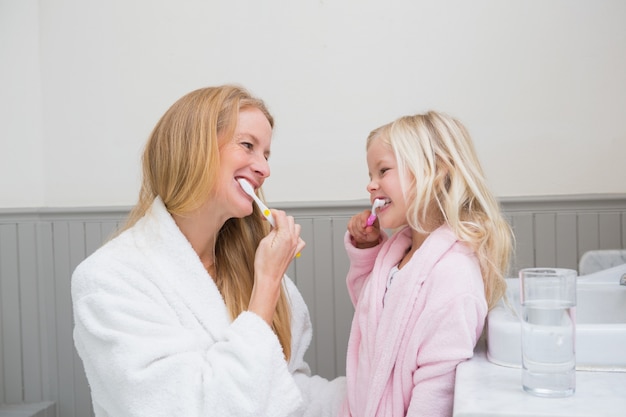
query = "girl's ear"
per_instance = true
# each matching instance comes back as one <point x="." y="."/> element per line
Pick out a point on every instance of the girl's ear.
<point x="447" y="181"/>
<point x="441" y="177"/>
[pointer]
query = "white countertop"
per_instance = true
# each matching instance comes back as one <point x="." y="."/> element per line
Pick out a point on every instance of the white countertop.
<point x="484" y="389"/>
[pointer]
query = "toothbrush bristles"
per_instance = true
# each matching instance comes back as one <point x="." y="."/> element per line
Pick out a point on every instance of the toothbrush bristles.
<point x="378" y="202"/>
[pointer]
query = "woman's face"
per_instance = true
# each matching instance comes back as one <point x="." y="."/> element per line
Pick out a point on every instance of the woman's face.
<point x="244" y="156"/>
<point x="385" y="183"/>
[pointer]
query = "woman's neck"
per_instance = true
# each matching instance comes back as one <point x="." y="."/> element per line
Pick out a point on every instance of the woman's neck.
<point x="201" y="231"/>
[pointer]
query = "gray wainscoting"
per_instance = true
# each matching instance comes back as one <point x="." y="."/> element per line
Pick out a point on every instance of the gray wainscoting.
<point x="39" y="248"/>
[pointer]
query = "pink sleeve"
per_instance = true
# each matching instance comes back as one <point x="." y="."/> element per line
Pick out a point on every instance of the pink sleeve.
<point x="449" y="341"/>
<point x="449" y="338"/>
<point x="361" y="265"/>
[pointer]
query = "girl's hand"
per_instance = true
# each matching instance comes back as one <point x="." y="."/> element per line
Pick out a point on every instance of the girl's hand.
<point x="273" y="256"/>
<point x="363" y="236"/>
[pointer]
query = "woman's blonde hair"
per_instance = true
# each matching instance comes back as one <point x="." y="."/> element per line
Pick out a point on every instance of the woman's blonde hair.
<point x="442" y="172"/>
<point x="181" y="162"/>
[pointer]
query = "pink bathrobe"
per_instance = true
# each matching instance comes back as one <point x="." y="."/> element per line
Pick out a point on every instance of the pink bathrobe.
<point x="402" y="356"/>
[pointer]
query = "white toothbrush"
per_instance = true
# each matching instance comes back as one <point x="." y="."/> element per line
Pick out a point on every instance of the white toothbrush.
<point x="379" y="202"/>
<point x="245" y="185"/>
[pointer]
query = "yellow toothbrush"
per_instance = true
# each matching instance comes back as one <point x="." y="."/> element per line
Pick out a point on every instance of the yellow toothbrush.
<point x="247" y="188"/>
<point x="245" y="185"/>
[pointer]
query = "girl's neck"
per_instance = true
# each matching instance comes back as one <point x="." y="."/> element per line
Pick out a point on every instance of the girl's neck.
<point x="417" y="240"/>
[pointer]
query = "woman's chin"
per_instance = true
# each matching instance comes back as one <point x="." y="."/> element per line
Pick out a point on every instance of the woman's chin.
<point x="247" y="211"/>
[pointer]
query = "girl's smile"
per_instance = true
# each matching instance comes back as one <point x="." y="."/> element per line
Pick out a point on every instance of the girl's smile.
<point x="385" y="183"/>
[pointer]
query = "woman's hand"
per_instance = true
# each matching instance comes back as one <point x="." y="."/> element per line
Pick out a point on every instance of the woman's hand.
<point x="363" y="236"/>
<point x="273" y="256"/>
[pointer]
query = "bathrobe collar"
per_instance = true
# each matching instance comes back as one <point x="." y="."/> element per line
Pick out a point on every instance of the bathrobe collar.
<point x="166" y="241"/>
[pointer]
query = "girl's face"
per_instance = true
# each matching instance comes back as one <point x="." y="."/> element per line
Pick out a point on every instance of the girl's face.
<point x="385" y="183"/>
<point x="244" y="156"/>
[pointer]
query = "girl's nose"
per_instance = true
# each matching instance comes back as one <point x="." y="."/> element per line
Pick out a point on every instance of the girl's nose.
<point x="372" y="186"/>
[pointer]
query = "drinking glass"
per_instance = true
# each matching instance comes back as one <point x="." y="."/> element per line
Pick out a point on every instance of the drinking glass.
<point x="548" y="298"/>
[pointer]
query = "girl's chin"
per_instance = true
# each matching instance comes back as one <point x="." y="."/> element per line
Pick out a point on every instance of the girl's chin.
<point x="391" y="225"/>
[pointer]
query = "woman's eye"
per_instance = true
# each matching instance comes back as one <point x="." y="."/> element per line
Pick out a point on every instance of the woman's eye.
<point x="247" y="145"/>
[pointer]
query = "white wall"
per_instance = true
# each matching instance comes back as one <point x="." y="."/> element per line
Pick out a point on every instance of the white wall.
<point x="21" y="136"/>
<point x="540" y="84"/>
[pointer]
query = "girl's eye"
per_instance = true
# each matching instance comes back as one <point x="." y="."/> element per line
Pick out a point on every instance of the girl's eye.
<point x="383" y="170"/>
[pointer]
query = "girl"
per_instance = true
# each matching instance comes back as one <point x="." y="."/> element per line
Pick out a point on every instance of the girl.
<point x="188" y="311"/>
<point x="421" y="296"/>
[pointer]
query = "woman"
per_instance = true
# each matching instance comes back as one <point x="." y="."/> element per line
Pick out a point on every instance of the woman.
<point x="188" y="311"/>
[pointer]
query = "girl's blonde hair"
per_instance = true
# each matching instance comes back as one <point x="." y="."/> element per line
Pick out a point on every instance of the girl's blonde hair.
<point x="442" y="172"/>
<point x="181" y="162"/>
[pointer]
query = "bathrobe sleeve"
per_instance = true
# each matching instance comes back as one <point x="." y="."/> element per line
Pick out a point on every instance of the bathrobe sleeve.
<point x="448" y="333"/>
<point x="321" y="397"/>
<point x="361" y="265"/>
<point x="140" y="360"/>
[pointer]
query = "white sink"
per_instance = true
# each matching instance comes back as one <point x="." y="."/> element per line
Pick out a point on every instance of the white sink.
<point x="600" y="324"/>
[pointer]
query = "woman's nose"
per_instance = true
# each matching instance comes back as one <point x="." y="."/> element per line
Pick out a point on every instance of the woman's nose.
<point x="262" y="167"/>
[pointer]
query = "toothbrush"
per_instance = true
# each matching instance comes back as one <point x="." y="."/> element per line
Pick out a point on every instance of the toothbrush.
<point x="379" y="202"/>
<point x="247" y="188"/>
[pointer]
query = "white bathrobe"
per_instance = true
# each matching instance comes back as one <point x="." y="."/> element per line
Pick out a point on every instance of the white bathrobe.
<point x="156" y="339"/>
